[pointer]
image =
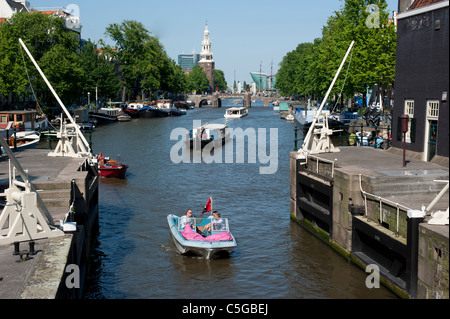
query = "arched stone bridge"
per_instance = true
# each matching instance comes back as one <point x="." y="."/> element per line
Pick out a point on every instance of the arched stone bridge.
<point x="215" y="99"/>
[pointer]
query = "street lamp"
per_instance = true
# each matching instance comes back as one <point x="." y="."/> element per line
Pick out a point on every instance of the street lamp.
<point x="89" y="99"/>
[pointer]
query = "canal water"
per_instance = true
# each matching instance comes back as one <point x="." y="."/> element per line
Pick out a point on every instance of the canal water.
<point x="275" y="258"/>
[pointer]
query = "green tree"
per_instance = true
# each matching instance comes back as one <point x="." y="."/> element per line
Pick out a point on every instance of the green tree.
<point x="99" y="72"/>
<point x="144" y="64"/>
<point x="197" y="80"/>
<point x="287" y="74"/>
<point x="310" y="68"/>
<point x="219" y="80"/>
<point x="373" y="56"/>
<point x="54" y="48"/>
<point x="173" y="78"/>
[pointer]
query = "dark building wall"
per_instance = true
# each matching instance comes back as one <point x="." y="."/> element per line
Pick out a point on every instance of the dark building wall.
<point x="422" y="73"/>
<point x="209" y="68"/>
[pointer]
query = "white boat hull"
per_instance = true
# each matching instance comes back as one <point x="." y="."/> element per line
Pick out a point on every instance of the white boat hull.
<point x="236" y="113"/>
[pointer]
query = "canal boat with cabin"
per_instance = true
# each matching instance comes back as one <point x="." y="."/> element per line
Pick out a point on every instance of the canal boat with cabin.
<point x="209" y="133"/>
<point x="23" y="120"/>
<point x="106" y="115"/>
<point x="236" y="112"/>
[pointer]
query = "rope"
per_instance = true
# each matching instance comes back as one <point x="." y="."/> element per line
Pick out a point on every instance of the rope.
<point x="31" y="86"/>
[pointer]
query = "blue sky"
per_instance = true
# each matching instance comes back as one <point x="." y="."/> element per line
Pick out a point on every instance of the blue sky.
<point x="243" y="33"/>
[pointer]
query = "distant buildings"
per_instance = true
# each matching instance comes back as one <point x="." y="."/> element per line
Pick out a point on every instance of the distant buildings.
<point x="8" y="8"/>
<point x="188" y="61"/>
<point x="70" y="16"/>
<point x="263" y="81"/>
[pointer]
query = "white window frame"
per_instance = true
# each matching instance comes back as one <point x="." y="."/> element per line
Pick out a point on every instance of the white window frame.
<point x="409" y="110"/>
<point x="432" y="109"/>
<point x="432" y="115"/>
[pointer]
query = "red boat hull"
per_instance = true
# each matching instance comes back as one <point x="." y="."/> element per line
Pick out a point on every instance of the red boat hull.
<point x="112" y="171"/>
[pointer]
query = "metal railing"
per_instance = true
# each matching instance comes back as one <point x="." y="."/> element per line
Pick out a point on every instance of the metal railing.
<point x="382" y="201"/>
<point x="346" y="135"/>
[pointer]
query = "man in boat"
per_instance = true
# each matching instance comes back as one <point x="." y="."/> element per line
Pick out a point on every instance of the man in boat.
<point x="186" y="219"/>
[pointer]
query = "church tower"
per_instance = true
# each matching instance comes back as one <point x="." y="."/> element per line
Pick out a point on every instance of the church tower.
<point x="206" y="59"/>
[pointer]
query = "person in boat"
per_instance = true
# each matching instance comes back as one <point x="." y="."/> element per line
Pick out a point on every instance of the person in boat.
<point x="186" y="219"/>
<point x="216" y="223"/>
<point x="101" y="158"/>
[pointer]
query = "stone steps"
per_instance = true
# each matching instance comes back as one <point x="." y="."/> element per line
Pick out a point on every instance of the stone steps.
<point x="55" y="195"/>
<point x="406" y="184"/>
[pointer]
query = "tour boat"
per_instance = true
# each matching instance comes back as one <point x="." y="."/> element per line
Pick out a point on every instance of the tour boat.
<point x="214" y="244"/>
<point x="236" y="112"/>
<point x="201" y="136"/>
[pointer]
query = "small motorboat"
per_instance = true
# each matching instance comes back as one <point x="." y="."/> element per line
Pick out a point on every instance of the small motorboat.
<point x="109" y="168"/>
<point x="209" y="133"/>
<point x="290" y="118"/>
<point x="236" y="112"/>
<point x="123" y="117"/>
<point x="23" y="140"/>
<point x="216" y="243"/>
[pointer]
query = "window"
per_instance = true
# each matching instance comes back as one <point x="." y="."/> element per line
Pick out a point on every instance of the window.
<point x="433" y="109"/>
<point x="409" y="110"/>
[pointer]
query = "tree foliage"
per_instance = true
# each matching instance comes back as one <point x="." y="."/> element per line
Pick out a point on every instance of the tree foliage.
<point x="136" y="61"/>
<point x="219" y="80"/>
<point x="197" y="80"/>
<point x="54" y="48"/>
<point x="144" y="63"/>
<point x="99" y="71"/>
<point x="310" y="68"/>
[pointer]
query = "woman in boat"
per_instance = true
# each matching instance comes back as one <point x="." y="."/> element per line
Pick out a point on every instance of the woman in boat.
<point x="216" y="221"/>
<point x="101" y="159"/>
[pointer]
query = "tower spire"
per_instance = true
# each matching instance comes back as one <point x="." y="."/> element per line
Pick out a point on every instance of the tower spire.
<point x="206" y="58"/>
<point x="206" y="55"/>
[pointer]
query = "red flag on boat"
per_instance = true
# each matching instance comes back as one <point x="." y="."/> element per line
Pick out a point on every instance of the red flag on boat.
<point x="208" y="206"/>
